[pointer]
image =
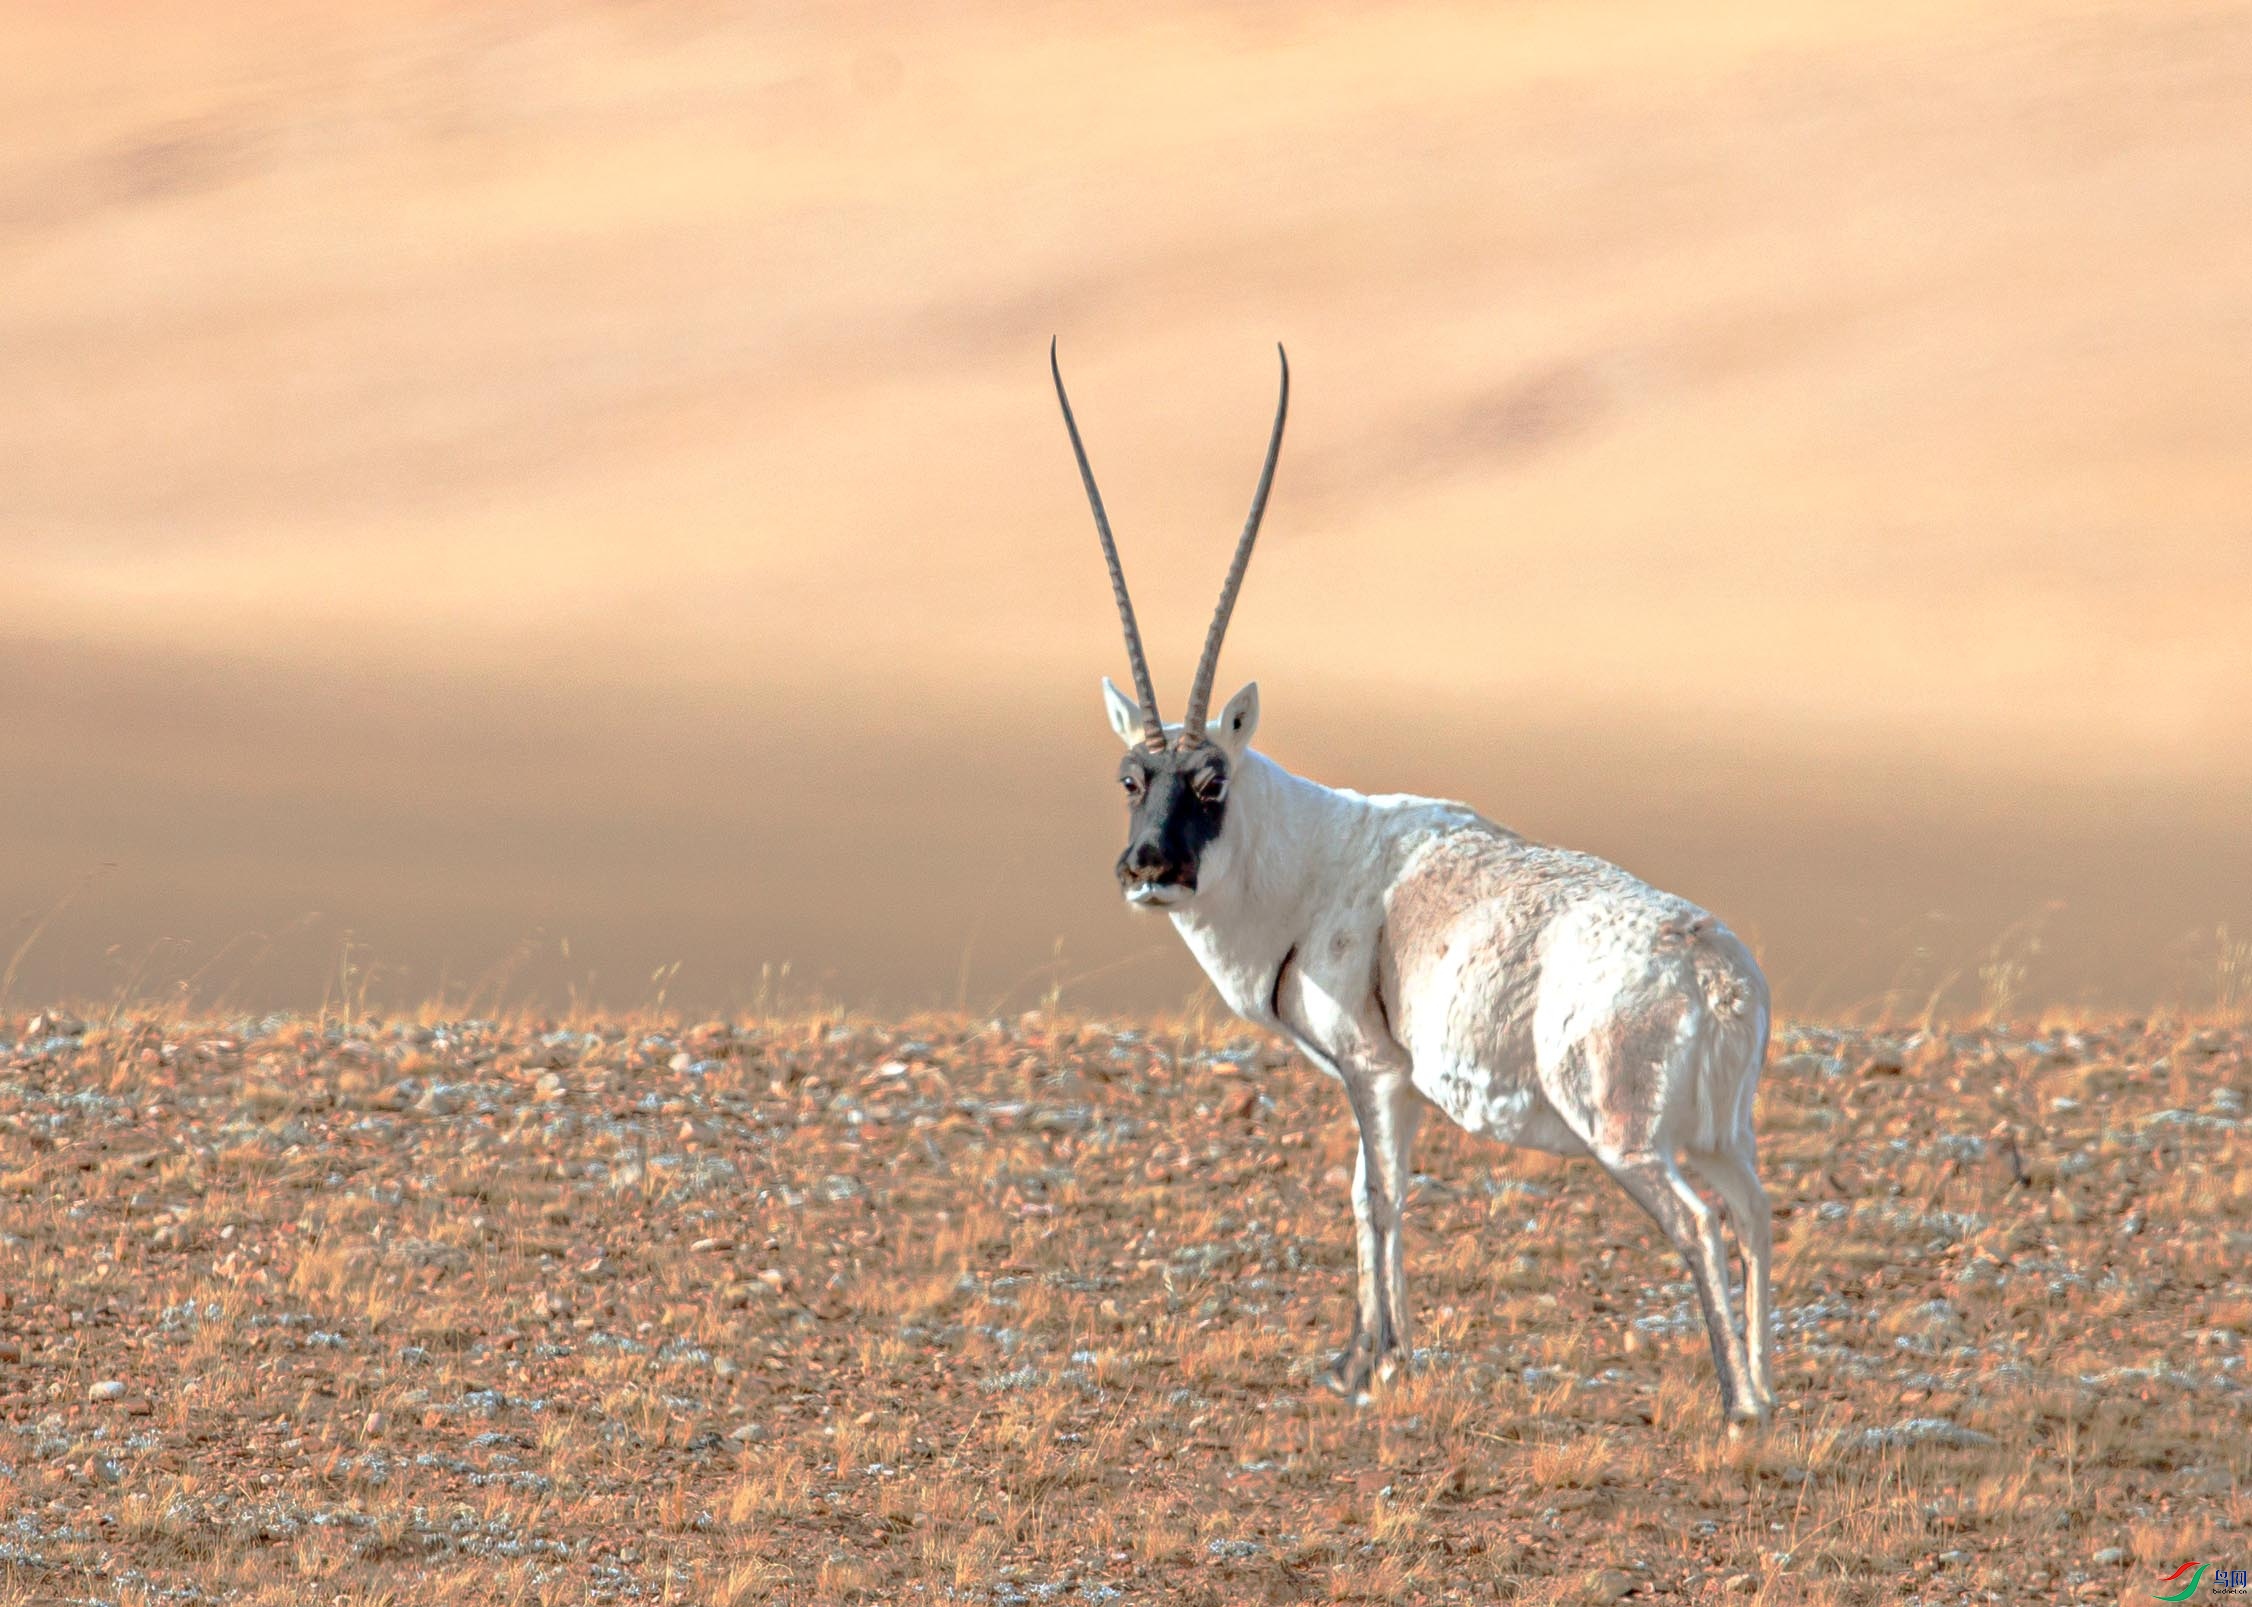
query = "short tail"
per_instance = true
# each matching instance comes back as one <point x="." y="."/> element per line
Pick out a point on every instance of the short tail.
<point x="1734" y="1040"/>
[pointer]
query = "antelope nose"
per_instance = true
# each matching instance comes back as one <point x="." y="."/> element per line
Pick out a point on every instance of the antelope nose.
<point x="1144" y="860"/>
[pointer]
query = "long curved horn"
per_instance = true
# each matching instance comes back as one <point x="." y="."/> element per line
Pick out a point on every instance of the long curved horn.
<point x="1200" y="690"/>
<point x="1153" y="729"/>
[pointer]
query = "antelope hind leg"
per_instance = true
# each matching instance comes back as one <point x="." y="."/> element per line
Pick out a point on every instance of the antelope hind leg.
<point x="1656" y="1184"/>
<point x="1735" y="1178"/>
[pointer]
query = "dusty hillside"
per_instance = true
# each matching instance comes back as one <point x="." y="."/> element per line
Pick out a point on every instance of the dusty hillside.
<point x="484" y="471"/>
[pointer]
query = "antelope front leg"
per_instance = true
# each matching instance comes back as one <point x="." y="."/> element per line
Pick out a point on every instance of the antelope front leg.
<point x="1350" y="1372"/>
<point x="1385" y="1114"/>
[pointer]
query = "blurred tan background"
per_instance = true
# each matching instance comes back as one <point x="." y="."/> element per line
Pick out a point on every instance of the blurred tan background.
<point x="519" y="496"/>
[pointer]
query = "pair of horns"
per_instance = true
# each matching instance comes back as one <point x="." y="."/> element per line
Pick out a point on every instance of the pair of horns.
<point x="1200" y="689"/>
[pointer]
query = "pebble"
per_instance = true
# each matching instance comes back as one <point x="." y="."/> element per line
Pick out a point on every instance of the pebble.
<point x="1605" y="1585"/>
<point x="109" y="1389"/>
<point x="1923" y="1431"/>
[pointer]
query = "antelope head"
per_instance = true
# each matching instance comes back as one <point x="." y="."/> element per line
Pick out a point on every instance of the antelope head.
<point x="1177" y="776"/>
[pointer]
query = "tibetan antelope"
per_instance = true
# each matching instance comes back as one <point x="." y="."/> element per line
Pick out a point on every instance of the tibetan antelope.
<point x="1420" y="954"/>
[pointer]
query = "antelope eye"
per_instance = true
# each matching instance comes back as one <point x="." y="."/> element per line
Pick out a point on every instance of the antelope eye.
<point x="1212" y="789"/>
<point x="1132" y="783"/>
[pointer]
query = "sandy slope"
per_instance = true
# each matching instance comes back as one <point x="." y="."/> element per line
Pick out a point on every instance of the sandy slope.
<point x="589" y="470"/>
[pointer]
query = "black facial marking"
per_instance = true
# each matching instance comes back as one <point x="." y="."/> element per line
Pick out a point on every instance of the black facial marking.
<point x="1176" y="803"/>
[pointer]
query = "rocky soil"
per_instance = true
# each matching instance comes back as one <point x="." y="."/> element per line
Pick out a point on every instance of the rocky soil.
<point x="1028" y="1311"/>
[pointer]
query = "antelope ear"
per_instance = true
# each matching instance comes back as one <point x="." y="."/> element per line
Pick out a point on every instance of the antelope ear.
<point x="1125" y="713"/>
<point x="1238" y="722"/>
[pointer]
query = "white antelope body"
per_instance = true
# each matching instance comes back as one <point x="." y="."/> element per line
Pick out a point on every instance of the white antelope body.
<point x="1421" y="954"/>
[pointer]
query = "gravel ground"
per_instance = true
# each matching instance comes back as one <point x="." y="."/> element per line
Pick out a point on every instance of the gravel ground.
<point x="1028" y="1311"/>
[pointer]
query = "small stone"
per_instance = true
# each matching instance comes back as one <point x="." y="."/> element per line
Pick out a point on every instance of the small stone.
<point x="1605" y="1585"/>
<point x="550" y="1087"/>
<point x="375" y="1425"/>
<point x="2112" y="1557"/>
<point x="749" y="1434"/>
<point x="139" y="1406"/>
<point x="1923" y="1431"/>
<point x="109" y="1389"/>
<point x="711" y="1246"/>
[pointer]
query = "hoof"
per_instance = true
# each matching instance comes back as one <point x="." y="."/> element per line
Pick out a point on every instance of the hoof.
<point x="1349" y="1373"/>
<point x="1343" y="1378"/>
<point x="1746" y="1423"/>
<point x="1358" y="1370"/>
